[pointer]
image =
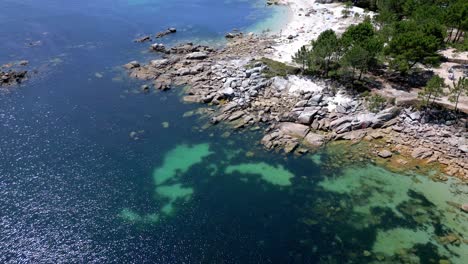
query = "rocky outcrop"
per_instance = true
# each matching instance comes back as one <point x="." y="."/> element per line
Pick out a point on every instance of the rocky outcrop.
<point x="143" y="39"/>
<point x="234" y="79"/>
<point x="464" y="208"/>
<point x="293" y="129"/>
<point x="315" y="140"/>
<point x="166" y="32"/>
<point x="12" y="77"/>
<point x="385" y="153"/>
<point x="422" y="153"/>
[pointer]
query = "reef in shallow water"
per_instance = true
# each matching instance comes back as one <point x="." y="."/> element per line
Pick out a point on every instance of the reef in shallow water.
<point x="268" y="173"/>
<point x="169" y="181"/>
<point x="421" y="211"/>
<point x="179" y="160"/>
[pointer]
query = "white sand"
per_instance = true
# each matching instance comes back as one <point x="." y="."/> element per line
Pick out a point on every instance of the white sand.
<point x="307" y="28"/>
<point x="297" y="84"/>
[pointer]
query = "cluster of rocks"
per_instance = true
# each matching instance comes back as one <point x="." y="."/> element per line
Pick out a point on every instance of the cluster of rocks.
<point x="445" y="144"/>
<point x="273" y="2"/>
<point x="325" y="1"/>
<point x="319" y="124"/>
<point x="234" y="34"/>
<point x="158" y="35"/>
<point x="166" y="32"/>
<point x="143" y="39"/>
<point x="11" y="77"/>
<point x="176" y="67"/>
<point x="234" y="79"/>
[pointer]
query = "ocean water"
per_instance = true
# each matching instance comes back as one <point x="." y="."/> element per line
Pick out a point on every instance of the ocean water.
<point x="94" y="171"/>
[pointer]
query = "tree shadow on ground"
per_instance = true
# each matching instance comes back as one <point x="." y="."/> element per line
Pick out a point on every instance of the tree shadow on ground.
<point x="416" y="79"/>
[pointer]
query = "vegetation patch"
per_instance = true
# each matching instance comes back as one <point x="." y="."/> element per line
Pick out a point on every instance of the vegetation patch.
<point x="276" y="68"/>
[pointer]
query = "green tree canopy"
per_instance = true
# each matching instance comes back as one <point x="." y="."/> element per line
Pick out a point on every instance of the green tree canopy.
<point x="323" y="51"/>
<point x="412" y="44"/>
<point x="361" y="46"/>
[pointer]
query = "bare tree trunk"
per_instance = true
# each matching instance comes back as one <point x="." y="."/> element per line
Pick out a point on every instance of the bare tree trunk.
<point x="459" y="36"/>
<point x="450" y="35"/>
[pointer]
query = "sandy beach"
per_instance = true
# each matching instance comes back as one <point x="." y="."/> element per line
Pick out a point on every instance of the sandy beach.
<point x="307" y="20"/>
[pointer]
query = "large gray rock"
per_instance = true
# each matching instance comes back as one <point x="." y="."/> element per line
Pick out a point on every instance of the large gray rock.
<point x="384" y="116"/>
<point x="464" y="208"/>
<point x="345" y="127"/>
<point x="306" y="117"/>
<point x="290" y="146"/>
<point x="132" y="65"/>
<point x="236" y="115"/>
<point x="279" y="83"/>
<point x="228" y="107"/>
<point x="159" y="63"/>
<point x="351" y="135"/>
<point x="314" y="140"/>
<point x="184" y="71"/>
<point x="385" y="154"/>
<point x="341" y="109"/>
<point x="293" y="129"/>
<point x="227" y="92"/>
<point x="197" y="55"/>
<point x="340" y="121"/>
<point x="316" y="99"/>
<point x="416" y="116"/>
<point x="158" y="47"/>
<point x="422" y="153"/>
<point x="463" y="148"/>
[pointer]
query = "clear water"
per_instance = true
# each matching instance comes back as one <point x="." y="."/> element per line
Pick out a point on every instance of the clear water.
<point x="76" y="188"/>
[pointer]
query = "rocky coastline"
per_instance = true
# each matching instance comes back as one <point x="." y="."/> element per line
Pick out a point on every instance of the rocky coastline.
<point x="299" y="114"/>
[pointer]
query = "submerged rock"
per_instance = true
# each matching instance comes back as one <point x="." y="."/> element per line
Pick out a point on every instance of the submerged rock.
<point x="143" y="39"/>
<point x="132" y="65"/>
<point x="385" y="154"/>
<point x="464" y="208"/>
<point x="166" y="32"/>
<point x="12" y="77"/>
<point x="23" y="63"/>
<point x="158" y="47"/>
<point x="232" y="35"/>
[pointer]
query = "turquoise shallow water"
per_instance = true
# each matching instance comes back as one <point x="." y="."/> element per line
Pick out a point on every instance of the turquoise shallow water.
<point x="75" y="187"/>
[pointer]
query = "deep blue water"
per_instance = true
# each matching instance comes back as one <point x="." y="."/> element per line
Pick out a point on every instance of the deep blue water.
<point x="68" y="166"/>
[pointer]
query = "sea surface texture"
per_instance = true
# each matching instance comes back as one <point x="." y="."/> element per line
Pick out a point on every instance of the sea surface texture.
<point x="94" y="171"/>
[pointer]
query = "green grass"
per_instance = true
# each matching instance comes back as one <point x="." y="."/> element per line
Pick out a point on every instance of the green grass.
<point x="276" y="68"/>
